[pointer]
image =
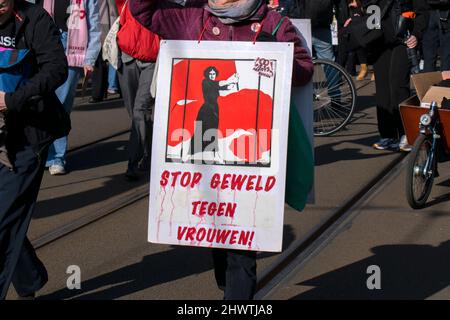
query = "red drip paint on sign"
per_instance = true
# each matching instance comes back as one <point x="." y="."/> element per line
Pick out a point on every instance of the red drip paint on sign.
<point x="254" y="210"/>
<point x="160" y="212"/>
<point x="171" y="212"/>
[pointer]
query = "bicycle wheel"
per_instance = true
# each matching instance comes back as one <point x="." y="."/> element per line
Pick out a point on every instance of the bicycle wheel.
<point x="419" y="181"/>
<point x="334" y="97"/>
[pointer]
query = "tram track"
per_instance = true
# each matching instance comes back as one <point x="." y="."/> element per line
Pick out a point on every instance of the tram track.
<point x="292" y="260"/>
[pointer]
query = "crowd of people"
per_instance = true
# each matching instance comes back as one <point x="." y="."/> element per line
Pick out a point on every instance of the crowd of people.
<point x="56" y="42"/>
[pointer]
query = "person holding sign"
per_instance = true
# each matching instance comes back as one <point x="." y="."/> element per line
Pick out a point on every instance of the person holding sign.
<point x="225" y="20"/>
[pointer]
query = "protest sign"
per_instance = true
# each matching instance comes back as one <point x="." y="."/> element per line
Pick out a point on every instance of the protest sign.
<point x="219" y="144"/>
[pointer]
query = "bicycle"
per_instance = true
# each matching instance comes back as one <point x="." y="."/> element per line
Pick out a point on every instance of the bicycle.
<point x="431" y="146"/>
<point x="334" y="97"/>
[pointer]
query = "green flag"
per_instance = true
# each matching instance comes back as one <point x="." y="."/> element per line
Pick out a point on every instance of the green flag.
<point x="300" y="163"/>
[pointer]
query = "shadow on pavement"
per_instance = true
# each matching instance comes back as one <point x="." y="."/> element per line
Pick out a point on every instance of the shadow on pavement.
<point x="102" y="155"/>
<point x="445" y="183"/>
<point x="365" y="102"/>
<point x="407" y="272"/>
<point x="115" y="185"/>
<point x="98" y="155"/>
<point x="326" y="154"/>
<point x="441" y="198"/>
<point x="159" y="268"/>
<point x="103" y="105"/>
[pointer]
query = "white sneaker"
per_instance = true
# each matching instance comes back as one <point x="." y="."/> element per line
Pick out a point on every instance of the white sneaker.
<point x="57" y="169"/>
<point x="404" y="145"/>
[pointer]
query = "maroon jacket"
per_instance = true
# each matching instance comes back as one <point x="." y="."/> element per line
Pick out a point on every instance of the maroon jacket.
<point x="171" y="21"/>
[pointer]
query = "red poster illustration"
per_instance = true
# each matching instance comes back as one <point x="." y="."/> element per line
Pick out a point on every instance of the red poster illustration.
<point x="221" y="111"/>
<point x="220" y="144"/>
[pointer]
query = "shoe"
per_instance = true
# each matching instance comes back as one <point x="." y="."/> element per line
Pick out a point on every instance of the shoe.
<point x="386" y="143"/>
<point x="113" y="91"/>
<point x="404" y="145"/>
<point x="95" y="100"/>
<point x="57" y="170"/>
<point x="362" y="72"/>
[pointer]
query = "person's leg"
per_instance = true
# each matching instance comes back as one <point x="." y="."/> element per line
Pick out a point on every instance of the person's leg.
<point x="18" y="191"/>
<point x="321" y="43"/>
<point x="128" y="77"/>
<point x="99" y="80"/>
<point x="445" y="45"/>
<point x="235" y="273"/>
<point x="240" y="275"/>
<point x="140" y="148"/>
<point x="430" y="42"/>
<point x="66" y="94"/>
<point x="113" y="84"/>
<point x="30" y="274"/>
<point x="342" y="50"/>
<point x="383" y="95"/>
<point x="362" y="59"/>
<point x="220" y="267"/>
<point x="129" y="74"/>
<point x="362" y="56"/>
<point x="350" y="67"/>
<point x="400" y="85"/>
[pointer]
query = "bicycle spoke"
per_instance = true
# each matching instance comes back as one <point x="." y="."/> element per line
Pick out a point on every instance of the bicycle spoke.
<point x="341" y="113"/>
<point x="334" y="94"/>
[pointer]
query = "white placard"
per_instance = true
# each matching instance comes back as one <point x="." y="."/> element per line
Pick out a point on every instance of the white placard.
<point x="231" y="195"/>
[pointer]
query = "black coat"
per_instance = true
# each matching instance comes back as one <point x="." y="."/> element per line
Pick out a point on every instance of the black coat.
<point x="420" y="7"/>
<point x="319" y="11"/>
<point x="439" y="4"/>
<point x="35" y="116"/>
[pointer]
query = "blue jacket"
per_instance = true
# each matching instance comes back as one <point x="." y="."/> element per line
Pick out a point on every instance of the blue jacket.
<point x="94" y="31"/>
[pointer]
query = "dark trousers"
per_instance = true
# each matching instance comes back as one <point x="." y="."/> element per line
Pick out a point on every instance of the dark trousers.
<point x="437" y="36"/>
<point x="135" y="79"/>
<point x="235" y="272"/>
<point x="18" y="194"/>
<point x="99" y="78"/>
<point x="392" y="73"/>
<point x="349" y="58"/>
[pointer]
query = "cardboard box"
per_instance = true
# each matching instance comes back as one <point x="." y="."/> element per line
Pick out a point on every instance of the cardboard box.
<point x="426" y="90"/>
<point x="412" y="108"/>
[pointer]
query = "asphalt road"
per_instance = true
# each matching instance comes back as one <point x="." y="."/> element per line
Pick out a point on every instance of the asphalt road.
<point x="410" y="247"/>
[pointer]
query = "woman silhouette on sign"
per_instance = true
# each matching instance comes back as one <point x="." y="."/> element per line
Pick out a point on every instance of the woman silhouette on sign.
<point x="208" y="115"/>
